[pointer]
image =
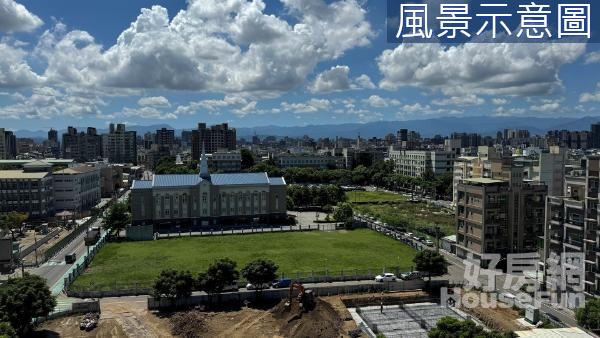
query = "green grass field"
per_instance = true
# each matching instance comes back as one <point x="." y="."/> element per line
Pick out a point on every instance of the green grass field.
<point x="402" y="212"/>
<point x="141" y="262"/>
<point x="372" y="196"/>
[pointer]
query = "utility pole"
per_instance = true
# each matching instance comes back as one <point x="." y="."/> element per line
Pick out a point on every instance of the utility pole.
<point x="36" y="247"/>
<point x="437" y="238"/>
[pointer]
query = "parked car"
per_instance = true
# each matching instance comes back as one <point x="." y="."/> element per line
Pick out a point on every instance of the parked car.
<point x="410" y="275"/>
<point x="282" y="283"/>
<point x="232" y="287"/>
<point x="251" y="286"/>
<point x="429" y="242"/>
<point x="385" y="277"/>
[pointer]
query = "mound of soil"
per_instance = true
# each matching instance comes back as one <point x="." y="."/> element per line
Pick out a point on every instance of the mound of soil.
<point x="187" y="324"/>
<point x="322" y="321"/>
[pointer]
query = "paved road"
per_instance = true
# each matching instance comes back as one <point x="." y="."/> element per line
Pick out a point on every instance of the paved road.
<point x="54" y="270"/>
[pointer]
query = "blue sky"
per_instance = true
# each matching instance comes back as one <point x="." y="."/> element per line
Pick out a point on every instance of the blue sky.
<point x="254" y="63"/>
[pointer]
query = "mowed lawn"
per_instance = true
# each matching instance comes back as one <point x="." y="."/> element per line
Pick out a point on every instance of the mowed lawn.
<point x="303" y="252"/>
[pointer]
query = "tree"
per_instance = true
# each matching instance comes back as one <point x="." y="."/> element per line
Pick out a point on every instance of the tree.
<point x="218" y="275"/>
<point x="450" y="327"/>
<point x="118" y="217"/>
<point x="431" y="262"/>
<point x="25" y="298"/>
<point x="247" y="158"/>
<point x="260" y="272"/>
<point x="173" y="284"/>
<point x="589" y="316"/>
<point x="7" y="331"/>
<point x="343" y="212"/>
<point x="13" y="222"/>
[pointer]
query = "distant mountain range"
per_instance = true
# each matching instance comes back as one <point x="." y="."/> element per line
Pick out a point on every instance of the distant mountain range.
<point x="484" y="125"/>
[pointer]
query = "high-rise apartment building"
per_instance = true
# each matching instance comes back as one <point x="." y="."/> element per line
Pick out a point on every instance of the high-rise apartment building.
<point x="3" y="155"/>
<point x="499" y="216"/>
<point x="572" y="222"/>
<point x="165" y="137"/>
<point x="213" y="139"/>
<point x="82" y="147"/>
<point x="53" y="144"/>
<point x="119" y="145"/>
<point x="595" y="135"/>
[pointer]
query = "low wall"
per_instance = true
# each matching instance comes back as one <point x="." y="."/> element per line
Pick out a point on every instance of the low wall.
<point x="275" y="294"/>
<point x="39" y="243"/>
<point x="140" y="232"/>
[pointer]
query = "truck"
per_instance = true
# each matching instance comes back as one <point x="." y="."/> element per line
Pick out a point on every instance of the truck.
<point x="92" y="236"/>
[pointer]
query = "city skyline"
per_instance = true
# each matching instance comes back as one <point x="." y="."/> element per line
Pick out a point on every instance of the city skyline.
<point x="145" y="63"/>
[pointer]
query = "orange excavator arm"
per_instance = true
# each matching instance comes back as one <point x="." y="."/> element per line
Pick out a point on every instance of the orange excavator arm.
<point x="293" y="286"/>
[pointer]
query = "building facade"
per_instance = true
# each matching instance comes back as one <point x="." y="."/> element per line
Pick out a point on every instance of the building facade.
<point x="309" y="161"/>
<point x="30" y="190"/>
<point x="77" y="188"/>
<point x="498" y="216"/>
<point x="207" y="199"/>
<point x="119" y="145"/>
<point x="212" y="139"/>
<point x="572" y="222"/>
<point x="82" y="147"/>
<point x="3" y="148"/>
<point x="225" y="161"/>
<point x="416" y="163"/>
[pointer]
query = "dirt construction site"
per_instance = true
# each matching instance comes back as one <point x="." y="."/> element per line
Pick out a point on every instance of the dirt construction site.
<point x="330" y="317"/>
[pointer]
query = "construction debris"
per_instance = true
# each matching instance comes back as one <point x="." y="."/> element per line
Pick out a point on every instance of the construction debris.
<point x="187" y="324"/>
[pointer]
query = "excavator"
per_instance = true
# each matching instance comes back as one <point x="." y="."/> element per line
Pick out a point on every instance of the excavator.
<point x="306" y="298"/>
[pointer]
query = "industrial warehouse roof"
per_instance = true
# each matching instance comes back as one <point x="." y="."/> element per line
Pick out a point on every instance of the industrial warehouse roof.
<point x="165" y="181"/>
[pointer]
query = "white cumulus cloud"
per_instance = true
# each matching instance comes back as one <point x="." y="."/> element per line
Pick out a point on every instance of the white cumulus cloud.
<point x="493" y="69"/>
<point x="14" y="17"/>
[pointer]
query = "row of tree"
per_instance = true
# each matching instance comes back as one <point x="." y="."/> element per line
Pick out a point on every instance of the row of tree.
<point x="379" y="174"/>
<point x="174" y="284"/>
<point x="301" y="196"/>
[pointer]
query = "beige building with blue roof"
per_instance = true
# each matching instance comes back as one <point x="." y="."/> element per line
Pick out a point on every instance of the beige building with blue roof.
<point x="206" y="199"/>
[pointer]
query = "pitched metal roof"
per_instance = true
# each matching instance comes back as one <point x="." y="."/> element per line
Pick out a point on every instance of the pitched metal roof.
<point x="141" y="184"/>
<point x="216" y="179"/>
<point x="239" y="178"/>
<point x="277" y="181"/>
<point x="175" y="180"/>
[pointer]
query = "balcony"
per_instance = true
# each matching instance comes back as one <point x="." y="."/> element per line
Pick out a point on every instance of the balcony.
<point x="556" y="238"/>
<point x="590" y="236"/>
<point x="571" y="203"/>
<point x="575" y="243"/>
<point x="592" y="193"/>
<point x="590" y="253"/>
<point x="555" y="200"/>
<point x="574" y="224"/>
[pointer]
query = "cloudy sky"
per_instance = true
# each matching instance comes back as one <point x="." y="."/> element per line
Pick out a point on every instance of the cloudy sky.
<point x="254" y="63"/>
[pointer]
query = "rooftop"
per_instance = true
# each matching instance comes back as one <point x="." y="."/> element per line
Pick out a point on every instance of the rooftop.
<point x="568" y="332"/>
<point x="483" y="180"/>
<point x="76" y="170"/>
<point x="184" y="180"/>
<point x="20" y="174"/>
